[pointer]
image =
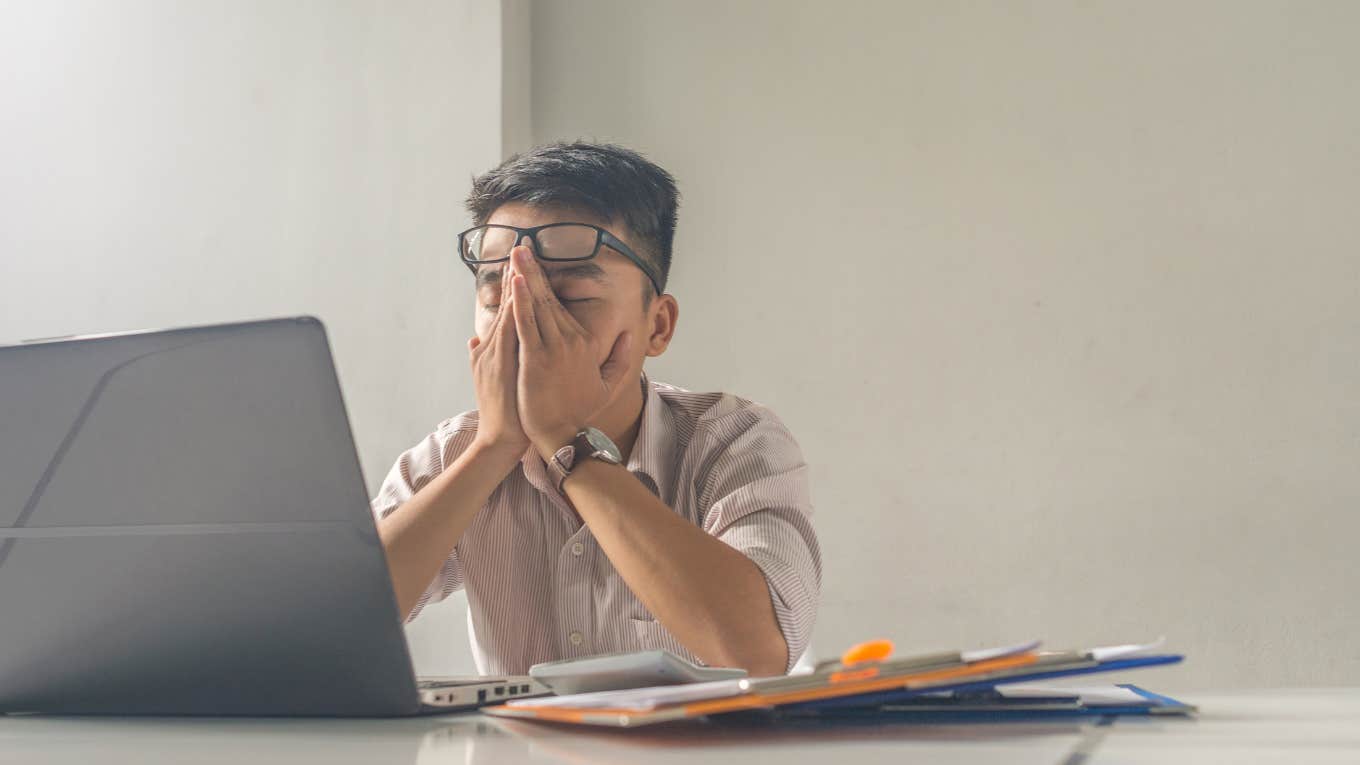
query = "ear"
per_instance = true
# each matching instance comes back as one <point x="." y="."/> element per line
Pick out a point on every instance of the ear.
<point x="662" y="317"/>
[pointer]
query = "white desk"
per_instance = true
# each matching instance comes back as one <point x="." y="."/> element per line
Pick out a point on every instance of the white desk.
<point x="1296" y="727"/>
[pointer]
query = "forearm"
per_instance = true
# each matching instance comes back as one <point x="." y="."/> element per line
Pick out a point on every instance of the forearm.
<point x="711" y="597"/>
<point x="420" y="535"/>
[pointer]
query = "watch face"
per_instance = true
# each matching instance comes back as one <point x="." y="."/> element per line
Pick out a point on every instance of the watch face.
<point x="601" y="443"/>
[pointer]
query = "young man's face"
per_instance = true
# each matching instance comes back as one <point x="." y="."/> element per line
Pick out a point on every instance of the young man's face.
<point x="604" y="294"/>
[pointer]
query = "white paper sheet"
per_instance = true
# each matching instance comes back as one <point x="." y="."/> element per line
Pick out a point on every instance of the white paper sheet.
<point x="1120" y="651"/>
<point x="983" y="654"/>
<point x="1089" y="694"/>
<point x="641" y="699"/>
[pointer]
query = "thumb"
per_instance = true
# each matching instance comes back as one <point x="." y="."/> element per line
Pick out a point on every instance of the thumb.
<point x="473" y="342"/>
<point x="616" y="366"/>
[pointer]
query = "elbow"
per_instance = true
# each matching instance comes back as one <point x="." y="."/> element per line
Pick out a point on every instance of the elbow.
<point x="775" y="659"/>
<point x="763" y="658"/>
<point x="769" y="663"/>
<point x="769" y="667"/>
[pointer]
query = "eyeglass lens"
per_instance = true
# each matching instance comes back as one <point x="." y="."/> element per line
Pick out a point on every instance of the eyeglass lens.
<point x="555" y="243"/>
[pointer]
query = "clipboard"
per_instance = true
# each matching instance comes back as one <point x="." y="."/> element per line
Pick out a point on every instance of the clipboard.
<point x="993" y="707"/>
<point x="1031" y="673"/>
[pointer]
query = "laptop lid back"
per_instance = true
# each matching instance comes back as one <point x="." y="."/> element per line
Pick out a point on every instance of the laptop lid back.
<point x="184" y="529"/>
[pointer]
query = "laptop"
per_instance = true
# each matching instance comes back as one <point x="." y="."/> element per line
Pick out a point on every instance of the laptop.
<point x="185" y="530"/>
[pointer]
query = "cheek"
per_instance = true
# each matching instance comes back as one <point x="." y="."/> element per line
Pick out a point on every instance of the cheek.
<point x="482" y="323"/>
<point x="606" y="326"/>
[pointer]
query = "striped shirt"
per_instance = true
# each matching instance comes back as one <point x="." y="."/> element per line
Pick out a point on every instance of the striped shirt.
<point x="539" y="588"/>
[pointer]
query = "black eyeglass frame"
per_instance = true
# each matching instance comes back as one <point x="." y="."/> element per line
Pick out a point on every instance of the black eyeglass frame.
<point x="602" y="236"/>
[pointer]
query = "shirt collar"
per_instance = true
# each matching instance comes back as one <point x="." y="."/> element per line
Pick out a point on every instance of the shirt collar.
<point x="653" y="453"/>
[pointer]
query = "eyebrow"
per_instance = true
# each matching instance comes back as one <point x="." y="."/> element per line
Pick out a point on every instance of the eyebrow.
<point x="585" y="270"/>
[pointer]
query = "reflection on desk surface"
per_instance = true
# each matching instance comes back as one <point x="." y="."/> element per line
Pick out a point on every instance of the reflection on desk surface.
<point x="1261" y="726"/>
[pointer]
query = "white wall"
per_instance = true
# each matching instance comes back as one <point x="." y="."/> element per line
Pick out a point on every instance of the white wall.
<point x="1078" y="279"/>
<point x="166" y="163"/>
<point x="1061" y="298"/>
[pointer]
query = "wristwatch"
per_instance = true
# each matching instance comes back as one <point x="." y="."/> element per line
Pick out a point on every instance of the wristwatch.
<point x="591" y="442"/>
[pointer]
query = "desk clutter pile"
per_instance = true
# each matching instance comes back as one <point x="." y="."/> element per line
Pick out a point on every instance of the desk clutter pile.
<point x="987" y="685"/>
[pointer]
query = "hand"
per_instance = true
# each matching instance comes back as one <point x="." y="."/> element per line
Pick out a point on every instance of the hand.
<point x="495" y="373"/>
<point x="562" y="384"/>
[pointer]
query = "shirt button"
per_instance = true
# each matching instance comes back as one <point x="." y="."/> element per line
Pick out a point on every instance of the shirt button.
<point x="577" y="548"/>
<point x="576" y="638"/>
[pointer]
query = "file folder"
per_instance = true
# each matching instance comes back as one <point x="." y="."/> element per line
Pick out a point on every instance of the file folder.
<point x="870" y="683"/>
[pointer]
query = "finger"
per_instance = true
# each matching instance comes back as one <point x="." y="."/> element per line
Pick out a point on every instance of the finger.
<point x="502" y="339"/>
<point x="616" y="366"/>
<point x="494" y="331"/>
<point x="504" y="316"/>
<point x="504" y="330"/>
<point x="473" y="342"/>
<point x="566" y="321"/>
<point x="503" y="311"/>
<point x="547" y="308"/>
<point x="526" y="315"/>
<point x="510" y="344"/>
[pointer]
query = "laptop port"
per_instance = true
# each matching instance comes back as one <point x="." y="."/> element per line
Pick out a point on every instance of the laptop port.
<point x="524" y="689"/>
<point x="481" y="695"/>
<point x="500" y="690"/>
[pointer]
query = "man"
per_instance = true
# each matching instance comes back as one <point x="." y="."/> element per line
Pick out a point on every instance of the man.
<point x="585" y="508"/>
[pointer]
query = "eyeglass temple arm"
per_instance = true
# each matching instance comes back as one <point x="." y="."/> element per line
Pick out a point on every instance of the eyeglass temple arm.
<point x="615" y="243"/>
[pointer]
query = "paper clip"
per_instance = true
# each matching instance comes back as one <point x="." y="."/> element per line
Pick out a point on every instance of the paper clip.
<point x="869" y="652"/>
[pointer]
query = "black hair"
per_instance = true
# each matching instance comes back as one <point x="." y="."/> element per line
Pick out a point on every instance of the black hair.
<point x="610" y="181"/>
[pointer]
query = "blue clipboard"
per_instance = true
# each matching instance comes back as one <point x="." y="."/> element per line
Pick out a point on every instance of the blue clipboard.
<point x="878" y="698"/>
<point x="1157" y="705"/>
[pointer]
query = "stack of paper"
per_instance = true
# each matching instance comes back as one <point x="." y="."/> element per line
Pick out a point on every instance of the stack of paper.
<point x="972" y="682"/>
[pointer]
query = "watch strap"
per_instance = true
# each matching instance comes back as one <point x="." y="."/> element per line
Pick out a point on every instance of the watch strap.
<point x="564" y="460"/>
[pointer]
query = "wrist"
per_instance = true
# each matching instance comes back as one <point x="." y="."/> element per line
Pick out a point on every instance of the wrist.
<point x="548" y="443"/>
<point x="498" y="453"/>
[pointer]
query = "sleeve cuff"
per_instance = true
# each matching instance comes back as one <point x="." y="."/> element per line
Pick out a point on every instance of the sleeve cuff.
<point x="793" y="606"/>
